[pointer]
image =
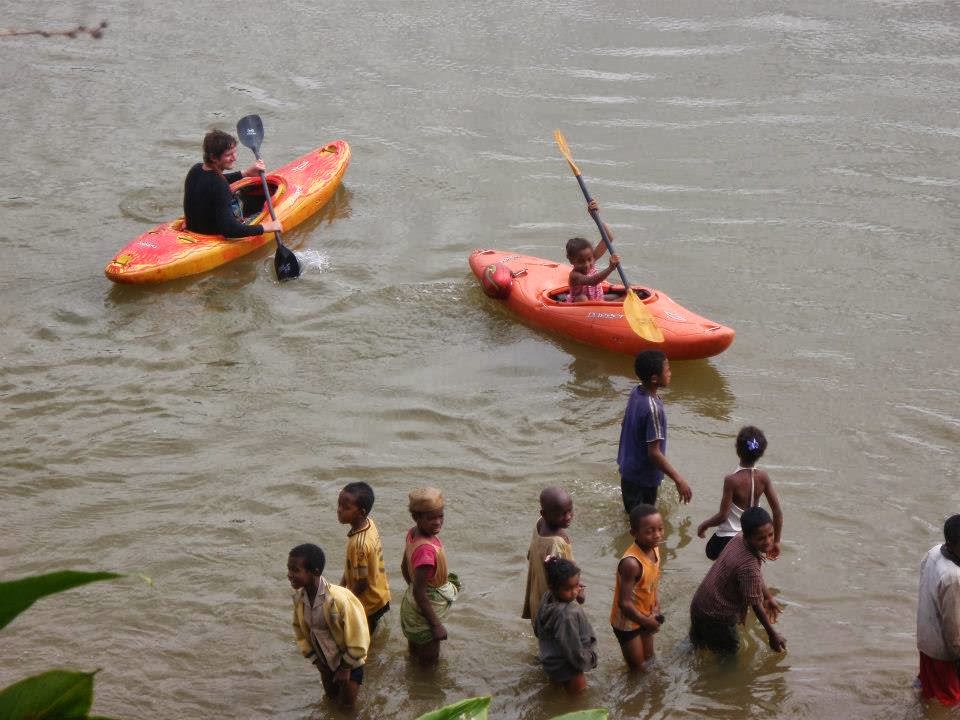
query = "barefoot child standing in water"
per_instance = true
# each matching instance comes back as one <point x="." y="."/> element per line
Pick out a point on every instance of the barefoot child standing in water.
<point x="430" y="590"/>
<point x="742" y="490"/>
<point x="364" y="572"/>
<point x="329" y="625"/>
<point x="642" y="456"/>
<point x="568" y="645"/>
<point x="549" y="538"/>
<point x="635" y="615"/>
<point x="733" y="584"/>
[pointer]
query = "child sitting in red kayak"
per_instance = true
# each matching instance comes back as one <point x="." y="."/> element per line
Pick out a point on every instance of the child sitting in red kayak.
<point x="586" y="282"/>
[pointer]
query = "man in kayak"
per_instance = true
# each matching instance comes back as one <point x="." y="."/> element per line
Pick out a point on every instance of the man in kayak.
<point x="208" y="205"/>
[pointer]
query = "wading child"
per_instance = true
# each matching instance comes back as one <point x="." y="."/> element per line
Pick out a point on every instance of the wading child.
<point x="635" y="615"/>
<point x="741" y="490"/>
<point x="431" y="589"/>
<point x="364" y="573"/>
<point x="568" y="645"/>
<point x="733" y="584"/>
<point x="586" y="282"/>
<point x="642" y="456"/>
<point x="549" y="538"/>
<point x="329" y="625"/>
<point x="938" y="618"/>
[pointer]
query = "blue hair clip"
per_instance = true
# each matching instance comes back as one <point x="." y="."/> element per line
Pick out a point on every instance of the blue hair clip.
<point x="753" y="444"/>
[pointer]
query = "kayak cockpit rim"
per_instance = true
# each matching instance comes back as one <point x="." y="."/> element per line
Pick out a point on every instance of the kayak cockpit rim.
<point x="613" y="296"/>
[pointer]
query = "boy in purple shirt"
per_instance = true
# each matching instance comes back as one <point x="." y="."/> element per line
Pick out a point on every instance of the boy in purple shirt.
<point x="643" y="438"/>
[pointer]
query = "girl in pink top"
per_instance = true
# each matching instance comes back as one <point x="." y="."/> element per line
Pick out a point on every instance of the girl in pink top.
<point x="585" y="280"/>
<point x="431" y="588"/>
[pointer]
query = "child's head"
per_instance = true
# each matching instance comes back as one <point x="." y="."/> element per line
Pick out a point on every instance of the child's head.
<point x="354" y="503"/>
<point x="757" y="529"/>
<point x="652" y="366"/>
<point x="556" y="507"/>
<point x="951" y="532"/>
<point x="563" y="578"/>
<point x="305" y="564"/>
<point x="646" y="526"/>
<point x="576" y="246"/>
<point x="426" y="508"/>
<point x="751" y="444"/>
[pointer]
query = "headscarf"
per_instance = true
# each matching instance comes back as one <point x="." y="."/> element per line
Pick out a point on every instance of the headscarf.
<point x="425" y="500"/>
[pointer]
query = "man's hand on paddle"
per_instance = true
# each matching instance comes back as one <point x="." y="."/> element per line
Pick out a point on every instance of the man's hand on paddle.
<point x="255" y="169"/>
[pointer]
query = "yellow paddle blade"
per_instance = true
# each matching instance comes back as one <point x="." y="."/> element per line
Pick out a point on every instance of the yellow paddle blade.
<point x="565" y="149"/>
<point x="640" y="318"/>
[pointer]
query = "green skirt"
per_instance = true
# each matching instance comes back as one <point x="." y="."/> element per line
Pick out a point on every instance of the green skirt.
<point x="414" y="625"/>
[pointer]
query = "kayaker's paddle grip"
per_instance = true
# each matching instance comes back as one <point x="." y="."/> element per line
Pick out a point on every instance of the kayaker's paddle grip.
<point x="595" y="214"/>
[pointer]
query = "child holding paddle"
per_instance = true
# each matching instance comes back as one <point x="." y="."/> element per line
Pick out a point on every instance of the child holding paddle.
<point x="585" y="280"/>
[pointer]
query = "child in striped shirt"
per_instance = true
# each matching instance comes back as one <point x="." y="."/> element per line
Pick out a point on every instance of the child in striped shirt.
<point x="364" y="572"/>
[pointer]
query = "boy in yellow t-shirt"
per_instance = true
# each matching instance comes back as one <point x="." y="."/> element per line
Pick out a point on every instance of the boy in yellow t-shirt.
<point x="365" y="573"/>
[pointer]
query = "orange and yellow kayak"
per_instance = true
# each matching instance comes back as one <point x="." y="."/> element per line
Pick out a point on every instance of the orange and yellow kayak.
<point x="298" y="189"/>
<point x="535" y="289"/>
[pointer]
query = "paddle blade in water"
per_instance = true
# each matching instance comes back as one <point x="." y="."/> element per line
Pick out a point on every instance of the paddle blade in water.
<point x="285" y="263"/>
<point x="640" y="318"/>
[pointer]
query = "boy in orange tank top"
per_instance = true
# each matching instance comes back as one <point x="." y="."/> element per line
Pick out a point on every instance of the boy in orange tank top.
<point x="635" y="615"/>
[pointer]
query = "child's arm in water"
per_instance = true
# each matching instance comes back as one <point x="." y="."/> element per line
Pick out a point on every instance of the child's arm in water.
<point x="776" y="512"/>
<point x="421" y="576"/>
<point x="657" y="457"/>
<point x="726" y="501"/>
<point x="630" y="573"/>
<point x="777" y="642"/>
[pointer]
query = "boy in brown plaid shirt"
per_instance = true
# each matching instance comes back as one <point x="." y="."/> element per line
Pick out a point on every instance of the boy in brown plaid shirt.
<point x="733" y="584"/>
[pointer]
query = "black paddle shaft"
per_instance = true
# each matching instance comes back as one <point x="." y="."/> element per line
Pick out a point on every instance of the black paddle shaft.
<point x="595" y="214"/>
<point x="250" y="132"/>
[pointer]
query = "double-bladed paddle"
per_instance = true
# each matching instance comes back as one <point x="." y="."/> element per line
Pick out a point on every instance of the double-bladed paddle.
<point x="638" y="316"/>
<point x="250" y="132"/>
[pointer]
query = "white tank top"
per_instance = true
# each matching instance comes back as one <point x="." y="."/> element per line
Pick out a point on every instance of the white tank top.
<point x="731" y="526"/>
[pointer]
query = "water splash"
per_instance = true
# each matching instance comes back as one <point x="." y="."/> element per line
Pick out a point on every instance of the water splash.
<point x="313" y="259"/>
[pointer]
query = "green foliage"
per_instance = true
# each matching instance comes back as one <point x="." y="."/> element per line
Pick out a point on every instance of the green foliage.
<point x="55" y="694"/>
<point x="17" y="595"/>
<point x="595" y="714"/>
<point x="470" y="709"/>
<point x="476" y="709"/>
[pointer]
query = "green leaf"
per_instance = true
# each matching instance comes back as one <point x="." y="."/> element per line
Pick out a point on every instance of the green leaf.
<point x="17" y="595"/>
<point x="55" y="694"/>
<point x="595" y="714"/>
<point x="470" y="709"/>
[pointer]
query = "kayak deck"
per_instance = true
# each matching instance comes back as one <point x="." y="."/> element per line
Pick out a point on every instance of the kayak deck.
<point x="298" y="190"/>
